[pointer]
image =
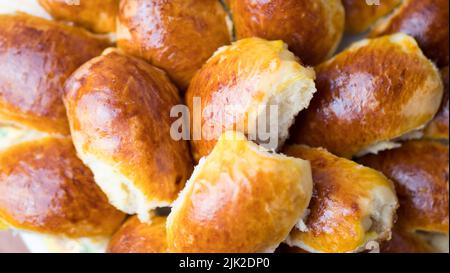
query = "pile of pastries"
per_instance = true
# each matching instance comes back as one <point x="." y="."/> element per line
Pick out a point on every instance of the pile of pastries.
<point x="89" y="161"/>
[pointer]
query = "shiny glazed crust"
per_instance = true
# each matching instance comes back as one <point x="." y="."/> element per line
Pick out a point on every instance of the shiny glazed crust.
<point x="438" y="128"/>
<point x="119" y="112"/>
<point x="373" y="92"/>
<point x="404" y="242"/>
<point x="239" y="81"/>
<point x="137" y="237"/>
<point x="239" y="199"/>
<point x="351" y="205"/>
<point x="177" y="36"/>
<point x="312" y="29"/>
<point x="45" y="188"/>
<point x="37" y="56"/>
<point x="420" y="172"/>
<point x="427" y="22"/>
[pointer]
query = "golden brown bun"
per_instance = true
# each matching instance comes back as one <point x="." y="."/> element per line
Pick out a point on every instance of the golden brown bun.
<point x="45" y="188"/>
<point x="438" y="128"/>
<point x="239" y="199"/>
<point x="404" y="242"/>
<point x="177" y="36"/>
<point x="420" y="172"/>
<point x="351" y="205"/>
<point x="119" y="113"/>
<point x="96" y="15"/>
<point x="37" y="56"/>
<point x="312" y="29"/>
<point x="137" y="237"/>
<point x="241" y="81"/>
<point x="359" y="15"/>
<point x="427" y="22"/>
<point x="375" y="91"/>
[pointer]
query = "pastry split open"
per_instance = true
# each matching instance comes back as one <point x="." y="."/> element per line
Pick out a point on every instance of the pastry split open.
<point x="237" y="88"/>
<point x="352" y="208"/>
<point x="420" y="172"/>
<point x="240" y="198"/>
